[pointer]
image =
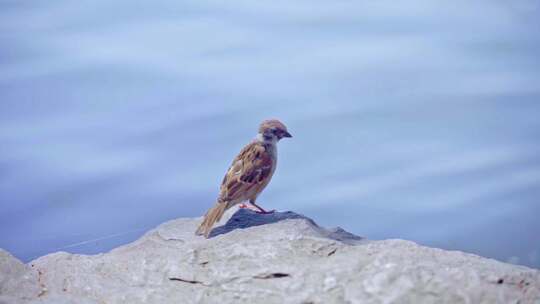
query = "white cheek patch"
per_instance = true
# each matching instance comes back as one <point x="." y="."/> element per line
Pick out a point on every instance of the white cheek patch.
<point x="261" y="138"/>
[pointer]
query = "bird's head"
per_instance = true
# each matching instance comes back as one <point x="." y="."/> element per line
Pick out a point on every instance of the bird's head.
<point x="273" y="129"/>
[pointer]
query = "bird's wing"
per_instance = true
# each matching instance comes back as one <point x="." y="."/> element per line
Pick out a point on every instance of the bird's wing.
<point x="250" y="169"/>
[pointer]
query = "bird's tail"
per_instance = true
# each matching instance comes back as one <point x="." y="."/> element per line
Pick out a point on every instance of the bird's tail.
<point x="211" y="217"/>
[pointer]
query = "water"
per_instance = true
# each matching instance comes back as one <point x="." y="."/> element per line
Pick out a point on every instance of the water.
<point x="415" y="120"/>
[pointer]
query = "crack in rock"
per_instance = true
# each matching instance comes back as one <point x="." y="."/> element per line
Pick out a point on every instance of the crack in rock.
<point x="272" y="275"/>
<point x="188" y="281"/>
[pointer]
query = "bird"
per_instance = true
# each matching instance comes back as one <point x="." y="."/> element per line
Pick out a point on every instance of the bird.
<point x="248" y="175"/>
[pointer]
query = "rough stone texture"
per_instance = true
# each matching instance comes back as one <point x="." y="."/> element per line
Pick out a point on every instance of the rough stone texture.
<point x="17" y="281"/>
<point x="278" y="258"/>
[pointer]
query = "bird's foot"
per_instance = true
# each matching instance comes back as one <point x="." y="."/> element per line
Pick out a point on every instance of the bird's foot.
<point x="255" y="208"/>
<point x="265" y="212"/>
<point x="260" y="210"/>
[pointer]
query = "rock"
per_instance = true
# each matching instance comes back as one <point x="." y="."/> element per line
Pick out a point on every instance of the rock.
<point x="275" y="258"/>
<point x="18" y="282"/>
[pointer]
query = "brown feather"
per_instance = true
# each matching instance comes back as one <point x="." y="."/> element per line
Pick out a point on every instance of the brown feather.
<point x="250" y="172"/>
<point x="247" y="176"/>
<point x="211" y="217"/>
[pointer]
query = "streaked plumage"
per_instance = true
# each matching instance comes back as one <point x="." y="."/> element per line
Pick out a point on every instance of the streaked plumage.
<point x="249" y="173"/>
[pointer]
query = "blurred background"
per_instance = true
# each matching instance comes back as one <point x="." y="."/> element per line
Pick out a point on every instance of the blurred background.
<point x="417" y="120"/>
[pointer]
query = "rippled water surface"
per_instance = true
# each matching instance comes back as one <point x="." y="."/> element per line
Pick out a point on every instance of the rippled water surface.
<point x="417" y="120"/>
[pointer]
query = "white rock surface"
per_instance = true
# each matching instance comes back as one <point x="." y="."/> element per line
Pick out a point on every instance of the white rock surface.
<point x="278" y="258"/>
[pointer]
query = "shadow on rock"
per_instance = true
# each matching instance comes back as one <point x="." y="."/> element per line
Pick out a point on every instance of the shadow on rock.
<point x="245" y="218"/>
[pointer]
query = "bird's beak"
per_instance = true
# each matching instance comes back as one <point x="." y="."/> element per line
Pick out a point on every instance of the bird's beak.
<point x="287" y="134"/>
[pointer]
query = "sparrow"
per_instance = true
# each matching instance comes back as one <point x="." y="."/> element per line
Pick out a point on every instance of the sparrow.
<point x="248" y="175"/>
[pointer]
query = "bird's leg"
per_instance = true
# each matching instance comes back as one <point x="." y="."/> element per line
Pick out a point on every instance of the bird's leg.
<point x="261" y="210"/>
<point x="243" y="206"/>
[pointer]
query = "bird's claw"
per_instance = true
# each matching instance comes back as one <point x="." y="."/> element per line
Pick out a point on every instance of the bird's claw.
<point x="265" y="212"/>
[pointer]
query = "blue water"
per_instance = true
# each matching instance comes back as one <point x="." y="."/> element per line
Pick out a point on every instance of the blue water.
<point x="417" y="120"/>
